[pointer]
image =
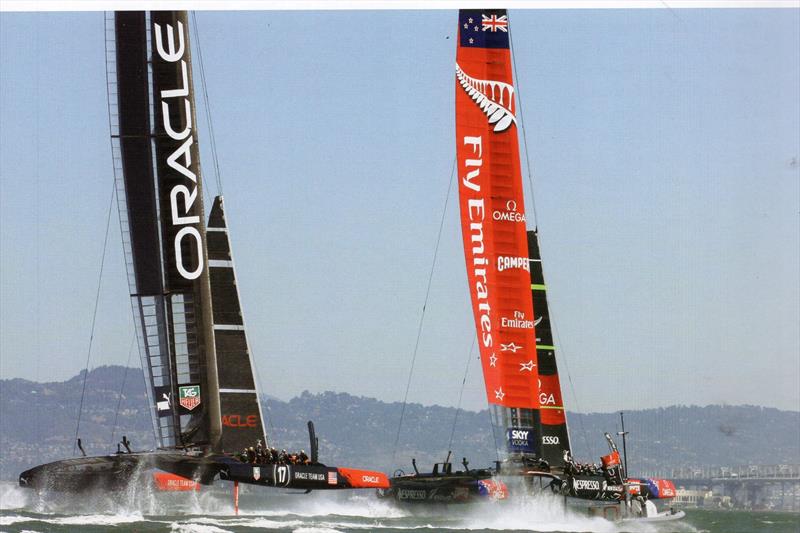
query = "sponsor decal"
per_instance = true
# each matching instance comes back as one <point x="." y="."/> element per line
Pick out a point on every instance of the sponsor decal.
<point x="256" y="473"/>
<point x="518" y="322"/>
<point x="520" y="439"/>
<point x="547" y="399"/>
<point x="165" y="481"/>
<point x="477" y="213"/>
<point x="189" y="396"/>
<point x="171" y="48"/>
<point x="505" y="262"/>
<point x="461" y="494"/>
<point x="162" y="395"/>
<point x="550" y="439"/>
<point x="240" y="421"/>
<point x="333" y="478"/>
<point x="586" y="484"/>
<point x="411" y="494"/>
<point x="510" y="214"/>
<point x="370" y="479"/>
<point x="309" y="476"/>
<point x="164" y="404"/>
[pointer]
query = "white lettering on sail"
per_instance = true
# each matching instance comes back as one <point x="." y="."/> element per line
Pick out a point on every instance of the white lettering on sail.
<point x="547" y="399"/>
<point x="476" y="211"/>
<point x="478" y="149"/>
<point x="171" y="55"/>
<point x="168" y="127"/>
<point x="189" y="198"/>
<point x="187" y="230"/>
<point x="182" y="196"/>
<point x="505" y="262"/>
<point x="185" y="151"/>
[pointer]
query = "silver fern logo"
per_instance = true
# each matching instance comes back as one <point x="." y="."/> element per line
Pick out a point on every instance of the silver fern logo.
<point x="495" y="98"/>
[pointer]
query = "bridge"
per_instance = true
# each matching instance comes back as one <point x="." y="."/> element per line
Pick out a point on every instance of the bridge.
<point x="748" y="486"/>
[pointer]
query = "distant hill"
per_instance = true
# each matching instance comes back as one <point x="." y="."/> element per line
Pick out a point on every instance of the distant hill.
<point x="37" y="424"/>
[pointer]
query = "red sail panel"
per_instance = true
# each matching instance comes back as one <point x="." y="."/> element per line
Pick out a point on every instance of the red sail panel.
<point x="493" y="209"/>
<point x="550" y="400"/>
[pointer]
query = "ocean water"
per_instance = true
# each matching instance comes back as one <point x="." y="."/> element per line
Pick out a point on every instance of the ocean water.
<point x="270" y="510"/>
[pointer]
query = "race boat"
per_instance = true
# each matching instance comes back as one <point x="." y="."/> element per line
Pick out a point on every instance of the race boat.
<point x="491" y="202"/>
<point x="509" y="296"/>
<point x="201" y="386"/>
<point x="443" y="484"/>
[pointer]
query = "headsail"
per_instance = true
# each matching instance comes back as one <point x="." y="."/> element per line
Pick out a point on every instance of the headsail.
<point x="554" y="434"/>
<point x="159" y="190"/>
<point x="242" y="422"/>
<point x="493" y="224"/>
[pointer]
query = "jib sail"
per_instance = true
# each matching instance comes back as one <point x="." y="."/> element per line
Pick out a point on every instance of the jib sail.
<point x="553" y="430"/>
<point x="156" y="162"/>
<point x="493" y="225"/>
<point x="242" y="422"/>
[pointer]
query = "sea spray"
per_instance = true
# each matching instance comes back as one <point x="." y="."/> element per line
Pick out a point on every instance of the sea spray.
<point x="12" y="496"/>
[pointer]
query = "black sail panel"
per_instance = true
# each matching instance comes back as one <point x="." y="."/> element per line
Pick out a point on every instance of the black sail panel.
<point x="553" y="423"/>
<point x="134" y="138"/>
<point x="156" y="164"/>
<point x="127" y="41"/>
<point x="242" y="422"/>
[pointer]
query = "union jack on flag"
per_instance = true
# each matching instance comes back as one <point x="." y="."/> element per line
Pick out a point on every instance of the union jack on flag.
<point x="494" y="23"/>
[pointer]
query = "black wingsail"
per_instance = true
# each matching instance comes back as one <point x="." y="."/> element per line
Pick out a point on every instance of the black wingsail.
<point x="159" y="190"/>
<point x="183" y="291"/>
<point x="553" y="430"/>
<point x="242" y="421"/>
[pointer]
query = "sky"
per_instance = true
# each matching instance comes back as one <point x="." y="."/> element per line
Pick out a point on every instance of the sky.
<point x="663" y="148"/>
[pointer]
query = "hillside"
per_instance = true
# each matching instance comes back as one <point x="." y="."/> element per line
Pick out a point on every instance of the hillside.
<point x="37" y="424"/>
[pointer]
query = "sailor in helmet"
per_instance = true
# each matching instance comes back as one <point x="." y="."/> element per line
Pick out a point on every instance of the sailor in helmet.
<point x="302" y="458"/>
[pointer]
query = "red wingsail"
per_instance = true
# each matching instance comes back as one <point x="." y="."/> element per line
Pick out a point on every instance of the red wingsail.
<point x="493" y="209"/>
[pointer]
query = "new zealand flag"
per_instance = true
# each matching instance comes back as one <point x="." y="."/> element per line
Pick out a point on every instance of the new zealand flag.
<point x="483" y="28"/>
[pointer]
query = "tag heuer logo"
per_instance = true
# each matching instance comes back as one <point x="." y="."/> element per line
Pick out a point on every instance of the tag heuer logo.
<point x="189" y="396"/>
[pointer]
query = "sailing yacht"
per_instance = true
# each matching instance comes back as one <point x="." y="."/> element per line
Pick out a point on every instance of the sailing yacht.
<point x="198" y="367"/>
<point x="509" y="299"/>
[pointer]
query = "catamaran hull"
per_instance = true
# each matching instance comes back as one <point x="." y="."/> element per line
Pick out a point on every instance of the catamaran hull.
<point x="444" y="489"/>
<point x="304" y="477"/>
<point x="116" y="472"/>
<point x="587" y="487"/>
<point x="665" y="516"/>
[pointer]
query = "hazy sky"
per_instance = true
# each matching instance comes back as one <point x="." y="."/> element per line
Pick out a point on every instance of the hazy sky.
<point x="665" y="153"/>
